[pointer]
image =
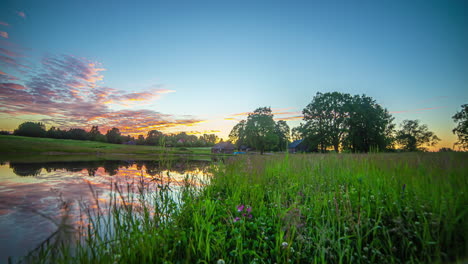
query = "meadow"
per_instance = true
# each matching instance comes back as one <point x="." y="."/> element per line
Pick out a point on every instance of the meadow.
<point x="312" y="208"/>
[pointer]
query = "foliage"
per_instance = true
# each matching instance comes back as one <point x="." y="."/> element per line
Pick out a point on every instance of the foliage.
<point x="30" y="129"/>
<point x="376" y="208"/>
<point x="413" y="136"/>
<point x="154" y="137"/>
<point x="339" y="120"/>
<point x="325" y="119"/>
<point x="283" y="132"/>
<point x="113" y="136"/>
<point x="368" y="125"/>
<point x="261" y="132"/>
<point x="462" y="127"/>
<point x="238" y="135"/>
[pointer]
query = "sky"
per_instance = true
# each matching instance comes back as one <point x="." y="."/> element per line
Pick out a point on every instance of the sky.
<point x="201" y="66"/>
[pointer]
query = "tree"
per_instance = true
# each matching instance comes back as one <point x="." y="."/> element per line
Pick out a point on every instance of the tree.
<point x="113" y="136"/>
<point x="31" y="129"/>
<point x="95" y="135"/>
<point x="237" y="134"/>
<point x="54" y="132"/>
<point x="140" y="140"/>
<point x="368" y="125"/>
<point x="283" y="132"/>
<point x="153" y="137"/>
<point x="413" y="136"/>
<point x="462" y="127"/>
<point x="325" y="119"/>
<point x="260" y="130"/>
<point x="77" y="134"/>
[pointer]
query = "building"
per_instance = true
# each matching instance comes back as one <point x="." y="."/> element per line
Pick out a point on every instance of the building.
<point x="297" y="146"/>
<point x="223" y="147"/>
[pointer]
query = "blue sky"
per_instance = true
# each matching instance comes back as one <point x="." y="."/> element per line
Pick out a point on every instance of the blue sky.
<point x="190" y="65"/>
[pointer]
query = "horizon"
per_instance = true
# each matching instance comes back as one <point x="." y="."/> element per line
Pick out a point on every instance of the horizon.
<point x="202" y="67"/>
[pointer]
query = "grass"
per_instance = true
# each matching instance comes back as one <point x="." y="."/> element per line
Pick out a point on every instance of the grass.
<point x="19" y="148"/>
<point x="372" y="208"/>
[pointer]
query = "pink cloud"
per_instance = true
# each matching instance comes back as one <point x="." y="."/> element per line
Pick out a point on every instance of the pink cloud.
<point x="10" y="53"/>
<point x="66" y="90"/>
<point x="14" y="86"/>
<point x="21" y="14"/>
<point x="4" y="34"/>
<point x="4" y="24"/>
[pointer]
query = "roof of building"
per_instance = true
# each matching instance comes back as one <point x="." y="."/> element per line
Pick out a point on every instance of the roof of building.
<point x="224" y="145"/>
<point x="296" y="143"/>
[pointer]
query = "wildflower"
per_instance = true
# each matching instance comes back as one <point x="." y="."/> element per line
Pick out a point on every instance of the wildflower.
<point x="237" y="219"/>
<point x="249" y="209"/>
<point x="284" y="244"/>
<point x="220" y="261"/>
<point x="240" y="208"/>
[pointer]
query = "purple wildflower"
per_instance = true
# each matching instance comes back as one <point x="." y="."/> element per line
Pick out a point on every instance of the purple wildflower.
<point x="240" y="208"/>
<point x="249" y="209"/>
<point x="237" y="219"/>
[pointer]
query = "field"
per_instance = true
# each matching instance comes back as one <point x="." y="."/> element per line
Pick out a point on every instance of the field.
<point x="370" y="208"/>
<point x="28" y="148"/>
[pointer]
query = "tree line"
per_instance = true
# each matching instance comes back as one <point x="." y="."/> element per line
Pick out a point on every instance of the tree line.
<point x="341" y="122"/>
<point x="153" y="137"/>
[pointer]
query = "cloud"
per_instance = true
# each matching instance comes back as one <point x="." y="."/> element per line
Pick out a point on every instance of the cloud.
<point x="202" y="132"/>
<point x="289" y="118"/>
<point x="14" y="86"/>
<point x="7" y="77"/>
<point x="4" y="34"/>
<point x="4" y="24"/>
<point x="21" y="14"/>
<point x="66" y="89"/>
<point x="10" y="53"/>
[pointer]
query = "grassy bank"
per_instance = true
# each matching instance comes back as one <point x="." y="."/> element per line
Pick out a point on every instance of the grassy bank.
<point x="28" y="148"/>
<point x="379" y="208"/>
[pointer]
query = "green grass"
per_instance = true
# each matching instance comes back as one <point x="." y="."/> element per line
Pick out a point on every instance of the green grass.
<point x="374" y="208"/>
<point x="27" y="148"/>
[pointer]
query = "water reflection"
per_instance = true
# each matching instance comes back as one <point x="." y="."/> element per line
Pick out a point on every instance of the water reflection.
<point x="34" y="195"/>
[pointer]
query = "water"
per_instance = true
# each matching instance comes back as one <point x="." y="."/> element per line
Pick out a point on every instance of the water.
<point x="34" y="195"/>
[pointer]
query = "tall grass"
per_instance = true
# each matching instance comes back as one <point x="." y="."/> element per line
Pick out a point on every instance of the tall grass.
<point x="374" y="208"/>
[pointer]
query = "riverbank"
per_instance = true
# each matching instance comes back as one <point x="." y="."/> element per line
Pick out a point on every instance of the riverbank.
<point x="17" y="148"/>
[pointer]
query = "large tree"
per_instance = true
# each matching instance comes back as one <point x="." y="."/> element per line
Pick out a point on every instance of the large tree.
<point x="260" y="130"/>
<point x="31" y="129"/>
<point x="462" y="127"/>
<point x="369" y="125"/>
<point x="414" y="137"/>
<point x="325" y="119"/>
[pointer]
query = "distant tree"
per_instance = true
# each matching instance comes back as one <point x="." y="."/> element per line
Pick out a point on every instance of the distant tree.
<point x="461" y="118"/>
<point x="413" y="137"/>
<point x="283" y="132"/>
<point x="260" y="130"/>
<point x="77" y="134"/>
<point x="140" y="140"/>
<point x="237" y="135"/>
<point x="54" y="132"/>
<point x="209" y="139"/>
<point x="113" y="136"/>
<point x="95" y="135"/>
<point x="325" y="119"/>
<point x="31" y="129"/>
<point x="153" y="137"/>
<point x="368" y="125"/>
<point x="4" y="132"/>
<point x="297" y="132"/>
